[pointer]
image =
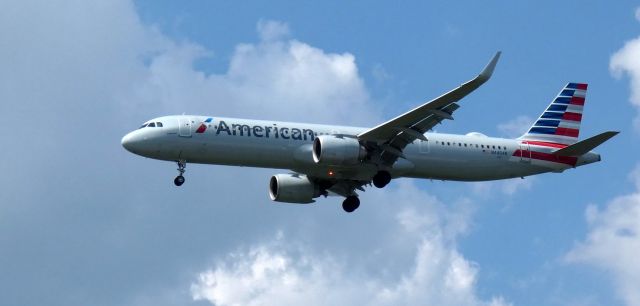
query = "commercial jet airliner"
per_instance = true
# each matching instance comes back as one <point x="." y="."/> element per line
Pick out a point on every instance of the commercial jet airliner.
<point x="324" y="159"/>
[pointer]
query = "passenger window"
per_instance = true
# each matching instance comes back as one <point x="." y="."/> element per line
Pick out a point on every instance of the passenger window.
<point x="494" y="147"/>
<point x="159" y="124"/>
<point x="476" y="145"/>
<point x="482" y="146"/>
<point x="152" y="124"/>
<point x="465" y="145"/>
<point x="448" y="143"/>
<point x="459" y="145"/>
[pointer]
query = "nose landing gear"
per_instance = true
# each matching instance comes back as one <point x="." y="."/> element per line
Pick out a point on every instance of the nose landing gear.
<point x="179" y="180"/>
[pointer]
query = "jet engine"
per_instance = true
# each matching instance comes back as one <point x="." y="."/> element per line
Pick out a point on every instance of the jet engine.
<point x="293" y="188"/>
<point x="339" y="151"/>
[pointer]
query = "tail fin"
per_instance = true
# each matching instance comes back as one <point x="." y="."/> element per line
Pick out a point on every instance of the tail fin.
<point x="560" y="122"/>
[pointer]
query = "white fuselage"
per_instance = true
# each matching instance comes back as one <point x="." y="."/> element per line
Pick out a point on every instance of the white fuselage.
<point x="286" y="145"/>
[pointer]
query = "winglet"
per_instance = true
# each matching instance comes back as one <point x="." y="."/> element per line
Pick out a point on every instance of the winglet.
<point x="488" y="70"/>
<point x="584" y="146"/>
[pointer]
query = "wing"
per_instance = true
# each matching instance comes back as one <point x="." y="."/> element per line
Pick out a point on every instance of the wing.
<point x="343" y="187"/>
<point x="390" y="138"/>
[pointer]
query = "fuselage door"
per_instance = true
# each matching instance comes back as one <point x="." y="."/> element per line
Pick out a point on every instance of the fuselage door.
<point x="424" y="146"/>
<point x="184" y="127"/>
<point x="525" y="153"/>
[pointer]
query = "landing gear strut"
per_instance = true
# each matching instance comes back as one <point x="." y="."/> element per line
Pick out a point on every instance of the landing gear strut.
<point x="381" y="179"/>
<point x="351" y="203"/>
<point x="179" y="180"/>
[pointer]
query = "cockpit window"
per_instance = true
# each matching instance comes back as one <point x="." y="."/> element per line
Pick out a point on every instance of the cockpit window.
<point x="143" y="125"/>
<point x="152" y="124"/>
<point x="159" y="124"/>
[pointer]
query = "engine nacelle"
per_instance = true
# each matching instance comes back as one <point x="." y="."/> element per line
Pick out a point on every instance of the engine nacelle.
<point x="339" y="151"/>
<point x="293" y="188"/>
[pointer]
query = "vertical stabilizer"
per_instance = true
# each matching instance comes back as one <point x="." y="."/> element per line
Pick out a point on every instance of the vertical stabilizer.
<point x="560" y="122"/>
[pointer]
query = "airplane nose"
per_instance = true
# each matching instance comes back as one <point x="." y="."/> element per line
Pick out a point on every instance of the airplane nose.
<point x="129" y="142"/>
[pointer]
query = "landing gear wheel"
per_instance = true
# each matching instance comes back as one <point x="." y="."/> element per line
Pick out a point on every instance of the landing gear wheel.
<point x="179" y="180"/>
<point x="381" y="179"/>
<point x="350" y="204"/>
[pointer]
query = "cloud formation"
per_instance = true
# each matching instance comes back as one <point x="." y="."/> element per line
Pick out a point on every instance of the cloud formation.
<point x="81" y="208"/>
<point x="78" y="75"/>
<point x="515" y="127"/>
<point x="277" y="78"/>
<point x="625" y="62"/>
<point x="613" y="242"/>
<point x="291" y="273"/>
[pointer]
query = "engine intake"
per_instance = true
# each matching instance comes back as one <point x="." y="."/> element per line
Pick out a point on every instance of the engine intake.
<point x="337" y="151"/>
<point x="293" y="188"/>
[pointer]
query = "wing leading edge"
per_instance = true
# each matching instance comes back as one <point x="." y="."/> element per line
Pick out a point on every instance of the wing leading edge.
<point x="434" y="107"/>
<point x="392" y="136"/>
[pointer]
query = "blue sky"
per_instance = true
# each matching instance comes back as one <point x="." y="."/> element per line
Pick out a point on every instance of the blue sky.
<point x="82" y="221"/>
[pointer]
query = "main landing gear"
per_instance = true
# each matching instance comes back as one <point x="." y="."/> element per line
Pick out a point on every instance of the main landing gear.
<point x="179" y="180"/>
<point x="351" y="203"/>
<point x="381" y="179"/>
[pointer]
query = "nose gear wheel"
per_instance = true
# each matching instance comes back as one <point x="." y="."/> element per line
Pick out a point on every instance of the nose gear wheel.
<point x="179" y="180"/>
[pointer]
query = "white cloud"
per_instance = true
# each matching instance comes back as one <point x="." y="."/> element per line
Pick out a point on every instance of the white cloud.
<point x="625" y="61"/>
<point x="507" y="187"/>
<point x="85" y="65"/>
<point x="512" y="186"/>
<point x="91" y="70"/>
<point x="276" y="78"/>
<point x="285" y="272"/>
<point x="380" y="74"/>
<point x="270" y="30"/>
<point x="613" y="242"/>
<point x="515" y="127"/>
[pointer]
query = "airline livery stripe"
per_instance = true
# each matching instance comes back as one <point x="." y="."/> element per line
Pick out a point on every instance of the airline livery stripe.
<point x="572" y="116"/>
<point x="577" y="101"/>
<point x="552" y="115"/>
<point x="569" y="124"/>
<point x="557" y="107"/>
<point x="545" y="144"/>
<point x="551" y="138"/>
<point x="542" y="130"/>
<point x="562" y="100"/>
<point x="567" y="160"/>
<point x="543" y="122"/>
<point x="567" y="132"/>
<point x="580" y="93"/>
<point x="567" y="93"/>
<point x="575" y="108"/>
<point x="577" y="86"/>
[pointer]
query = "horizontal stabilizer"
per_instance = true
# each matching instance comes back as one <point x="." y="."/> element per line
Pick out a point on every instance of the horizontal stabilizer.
<point x="584" y="146"/>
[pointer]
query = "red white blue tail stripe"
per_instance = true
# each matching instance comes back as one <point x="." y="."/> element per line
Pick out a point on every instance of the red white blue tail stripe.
<point x="560" y="122"/>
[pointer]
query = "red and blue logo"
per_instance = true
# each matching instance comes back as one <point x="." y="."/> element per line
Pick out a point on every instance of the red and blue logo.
<point x="203" y="126"/>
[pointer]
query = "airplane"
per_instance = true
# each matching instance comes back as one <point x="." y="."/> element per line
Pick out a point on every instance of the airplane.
<point x="342" y="160"/>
